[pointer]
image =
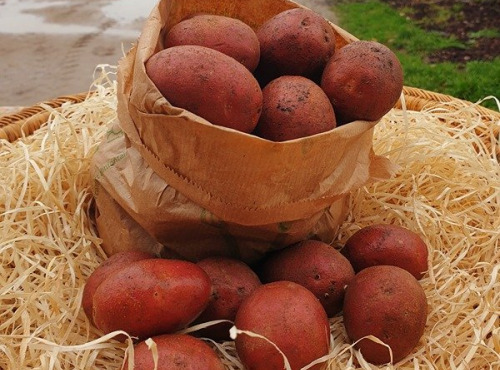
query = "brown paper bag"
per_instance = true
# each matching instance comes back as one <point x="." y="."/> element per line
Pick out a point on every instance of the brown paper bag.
<point x="145" y="213"/>
<point x="238" y="177"/>
<point x="194" y="189"/>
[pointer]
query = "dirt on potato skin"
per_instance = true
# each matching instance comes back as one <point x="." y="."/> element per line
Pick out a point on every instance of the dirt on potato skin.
<point x="459" y="19"/>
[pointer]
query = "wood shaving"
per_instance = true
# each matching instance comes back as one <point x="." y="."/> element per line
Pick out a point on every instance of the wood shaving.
<point x="447" y="189"/>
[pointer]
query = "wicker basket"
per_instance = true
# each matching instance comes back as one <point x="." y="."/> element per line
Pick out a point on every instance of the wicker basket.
<point x="30" y="119"/>
<point x="27" y="120"/>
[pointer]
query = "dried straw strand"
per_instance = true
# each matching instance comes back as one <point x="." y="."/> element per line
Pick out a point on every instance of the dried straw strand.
<point x="447" y="189"/>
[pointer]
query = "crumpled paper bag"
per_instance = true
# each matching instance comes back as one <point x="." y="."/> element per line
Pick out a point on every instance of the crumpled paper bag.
<point x="200" y="189"/>
<point x="136" y="209"/>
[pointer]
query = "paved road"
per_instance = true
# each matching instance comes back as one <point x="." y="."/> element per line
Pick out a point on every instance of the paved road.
<point x="321" y="6"/>
<point x="50" y="51"/>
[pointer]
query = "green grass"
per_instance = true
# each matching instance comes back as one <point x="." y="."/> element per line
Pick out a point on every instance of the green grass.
<point x="487" y="32"/>
<point x="374" y="20"/>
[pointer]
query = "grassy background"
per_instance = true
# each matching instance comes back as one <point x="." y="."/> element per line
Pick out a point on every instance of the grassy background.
<point x="374" y="20"/>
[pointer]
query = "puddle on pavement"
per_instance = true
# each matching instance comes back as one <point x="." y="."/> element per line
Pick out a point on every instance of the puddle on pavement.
<point x="16" y="17"/>
<point x="128" y="11"/>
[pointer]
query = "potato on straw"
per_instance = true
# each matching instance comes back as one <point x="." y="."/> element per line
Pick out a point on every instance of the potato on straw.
<point x="447" y="189"/>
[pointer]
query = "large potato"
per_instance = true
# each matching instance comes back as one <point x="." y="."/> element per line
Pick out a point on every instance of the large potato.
<point x="315" y="265"/>
<point x="151" y="297"/>
<point x="385" y="244"/>
<point x="294" y="107"/>
<point x="176" y="351"/>
<point x="208" y="83"/>
<point x="388" y="303"/>
<point x="295" y="42"/>
<point x="363" y="80"/>
<point x="228" y="35"/>
<point x="232" y="281"/>
<point x="288" y="315"/>
<point x="107" y="268"/>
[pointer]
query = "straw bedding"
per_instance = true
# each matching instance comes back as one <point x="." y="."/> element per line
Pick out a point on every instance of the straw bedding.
<point x="447" y="189"/>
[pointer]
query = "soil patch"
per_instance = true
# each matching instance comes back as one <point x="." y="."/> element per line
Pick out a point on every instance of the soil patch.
<point x="476" y="23"/>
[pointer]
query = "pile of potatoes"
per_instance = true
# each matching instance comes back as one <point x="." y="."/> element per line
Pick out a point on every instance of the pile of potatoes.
<point x="286" y="298"/>
<point x="283" y="81"/>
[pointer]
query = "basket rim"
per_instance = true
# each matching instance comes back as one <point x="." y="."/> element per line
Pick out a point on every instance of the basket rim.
<point x="27" y="120"/>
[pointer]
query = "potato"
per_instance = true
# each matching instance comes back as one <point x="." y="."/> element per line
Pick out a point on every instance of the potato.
<point x="176" y="351"/>
<point x="295" y="42"/>
<point x="363" y="80"/>
<point x="105" y="269"/>
<point x="288" y="315"/>
<point x="388" y="303"/>
<point x="228" y="35"/>
<point x="232" y="281"/>
<point x="294" y="107"/>
<point x="315" y="265"/>
<point x="151" y="297"/>
<point x="384" y="244"/>
<point x="209" y="84"/>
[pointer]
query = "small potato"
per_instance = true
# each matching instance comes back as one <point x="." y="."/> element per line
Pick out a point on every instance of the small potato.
<point x="388" y="303"/>
<point x="225" y="34"/>
<point x="294" y="107"/>
<point x="384" y="244"/>
<point x="288" y="315"/>
<point x="151" y="297"/>
<point x="209" y="84"/>
<point x="176" y="351"/>
<point x="232" y="281"/>
<point x="363" y="80"/>
<point x="315" y="265"/>
<point x="295" y="42"/>
<point x="108" y="267"/>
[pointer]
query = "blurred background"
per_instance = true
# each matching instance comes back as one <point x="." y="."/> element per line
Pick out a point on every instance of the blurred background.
<point x="50" y="48"/>
<point x="447" y="46"/>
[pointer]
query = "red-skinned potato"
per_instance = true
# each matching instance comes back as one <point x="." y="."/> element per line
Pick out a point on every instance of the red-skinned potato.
<point x="232" y="281"/>
<point x="294" y="42"/>
<point x="294" y="107"/>
<point x="176" y="351"/>
<point x="209" y="84"/>
<point x="108" y="267"/>
<point x="388" y="303"/>
<point x="363" y="81"/>
<point x="228" y="35"/>
<point x="151" y="297"/>
<point x="315" y="265"/>
<point x="385" y="244"/>
<point x="288" y="315"/>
